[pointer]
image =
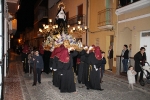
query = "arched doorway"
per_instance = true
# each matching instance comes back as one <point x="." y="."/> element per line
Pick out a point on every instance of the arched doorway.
<point x="125" y="37"/>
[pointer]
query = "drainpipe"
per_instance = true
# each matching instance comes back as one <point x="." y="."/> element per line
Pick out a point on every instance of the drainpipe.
<point x="87" y="6"/>
<point x="2" y="49"/>
<point x="119" y="65"/>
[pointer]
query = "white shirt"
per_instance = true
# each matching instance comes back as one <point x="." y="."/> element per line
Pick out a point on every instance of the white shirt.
<point x="61" y="15"/>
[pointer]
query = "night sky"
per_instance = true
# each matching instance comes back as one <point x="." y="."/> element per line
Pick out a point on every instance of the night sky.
<point x="25" y="15"/>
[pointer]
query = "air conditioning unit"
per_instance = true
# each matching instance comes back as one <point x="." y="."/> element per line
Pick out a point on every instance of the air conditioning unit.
<point x="106" y="27"/>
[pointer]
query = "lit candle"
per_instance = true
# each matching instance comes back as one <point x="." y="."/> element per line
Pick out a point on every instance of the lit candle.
<point x="78" y="27"/>
<point x="79" y="22"/>
<point x="56" y="26"/>
<point x="40" y="30"/>
<point x="85" y="27"/>
<point x="47" y="26"/>
<point x="68" y="26"/>
<point x="43" y="25"/>
<point x="73" y="28"/>
<point x="50" y="20"/>
<point x="71" y="31"/>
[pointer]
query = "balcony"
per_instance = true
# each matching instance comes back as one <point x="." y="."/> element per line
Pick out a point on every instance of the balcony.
<point x="126" y="6"/>
<point x="74" y="20"/>
<point x="105" y="19"/>
<point x="123" y="3"/>
<point x="41" y="15"/>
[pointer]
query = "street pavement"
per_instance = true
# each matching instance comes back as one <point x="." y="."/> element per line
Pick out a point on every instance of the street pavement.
<point x="114" y="89"/>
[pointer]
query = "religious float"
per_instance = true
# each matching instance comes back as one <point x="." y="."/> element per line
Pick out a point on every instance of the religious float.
<point x="61" y="32"/>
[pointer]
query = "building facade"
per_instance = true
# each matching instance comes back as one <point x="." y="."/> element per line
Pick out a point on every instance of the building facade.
<point x="102" y="26"/>
<point x="7" y="28"/>
<point x="31" y="35"/>
<point x="133" y="27"/>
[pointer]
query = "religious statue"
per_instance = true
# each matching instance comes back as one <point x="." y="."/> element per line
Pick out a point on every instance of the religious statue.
<point x="61" y="17"/>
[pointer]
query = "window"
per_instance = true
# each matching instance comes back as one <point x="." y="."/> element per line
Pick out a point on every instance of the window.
<point x="146" y="34"/>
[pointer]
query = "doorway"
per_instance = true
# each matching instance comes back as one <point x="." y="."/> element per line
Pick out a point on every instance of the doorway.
<point x="109" y="42"/>
<point x="145" y="42"/>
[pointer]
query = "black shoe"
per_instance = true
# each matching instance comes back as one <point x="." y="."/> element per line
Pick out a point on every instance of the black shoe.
<point x="33" y="84"/>
<point x="101" y="81"/>
<point x="87" y="88"/>
<point x="79" y="82"/>
<point x="141" y="81"/>
<point x="39" y="82"/>
<point x="100" y="89"/>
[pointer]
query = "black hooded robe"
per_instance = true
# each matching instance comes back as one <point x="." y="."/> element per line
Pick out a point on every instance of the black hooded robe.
<point x="93" y="75"/>
<point x="67" y="81"/>
<point x="55" y="73"/>
<point x="81" y="69"/>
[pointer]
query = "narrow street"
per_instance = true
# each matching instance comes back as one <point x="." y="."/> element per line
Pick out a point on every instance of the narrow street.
<point x="18" y="86"/>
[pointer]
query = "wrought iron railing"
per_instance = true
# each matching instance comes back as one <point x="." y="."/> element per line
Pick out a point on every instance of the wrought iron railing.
<point x="105" y="17"/>
<point x="123" y="3"/>
<point x="41" y="14"/>
<point x="74" y="20"/>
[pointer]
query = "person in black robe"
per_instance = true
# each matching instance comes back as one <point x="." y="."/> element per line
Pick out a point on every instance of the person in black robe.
<point x="81" y="71"/>
<point x="94" y="61"/>
<point x="140" y="59"/>
<point x="67" y="83"/>
<point x="25" y="58"/>
<point x="54" y="58"/>
<point x="54" y="66"/>
<point x="46" y="57"/>
<point x="77" y="64"/>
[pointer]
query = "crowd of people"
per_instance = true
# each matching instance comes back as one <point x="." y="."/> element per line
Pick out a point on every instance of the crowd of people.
<point x="133" y="71"/>
<point x="88" y="64"/>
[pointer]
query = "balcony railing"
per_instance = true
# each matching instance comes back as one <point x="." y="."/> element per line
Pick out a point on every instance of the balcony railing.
<point x="41" y="14"/>
<point x="105" y="17"/>
<point x="123" y="3"/>
<point x="74" y="20"/>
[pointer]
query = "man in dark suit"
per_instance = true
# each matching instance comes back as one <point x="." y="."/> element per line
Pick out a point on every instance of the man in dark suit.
<point x="140" y="59"/>
<point x="102" y="68"/>
<point x="110" y="57"/>
<point x="38" y="67"/>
